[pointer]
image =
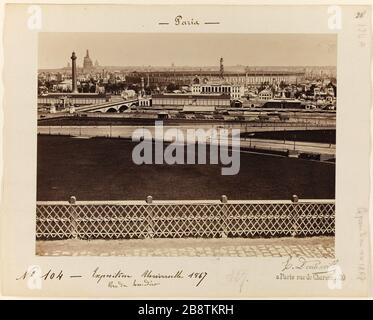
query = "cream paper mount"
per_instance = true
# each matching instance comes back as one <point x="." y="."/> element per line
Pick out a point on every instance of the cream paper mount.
<point x="281" y="95"/>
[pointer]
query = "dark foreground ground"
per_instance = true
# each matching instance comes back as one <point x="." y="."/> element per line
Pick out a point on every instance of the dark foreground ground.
<point x="102" y="169"/>
<point x="319" y="136"/>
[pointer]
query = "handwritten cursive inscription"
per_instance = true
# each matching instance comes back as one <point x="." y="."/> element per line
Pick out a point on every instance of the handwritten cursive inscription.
<point x="302" y="263"/>
<point x="120" y="279"/>
<point x="151" y="274"/>
<point x="363" y="235"/>
<point x="98" y="275"/>
<point x="49" y="275"/>
<point x="180" y="21"/>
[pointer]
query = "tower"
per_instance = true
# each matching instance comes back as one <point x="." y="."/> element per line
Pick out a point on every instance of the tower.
<point x="73" y="73"/>
<point x="246" y="72"/>
<point x="142" y="87"/>
<point x="221" y="68"/>
<point x="87" y="62"/>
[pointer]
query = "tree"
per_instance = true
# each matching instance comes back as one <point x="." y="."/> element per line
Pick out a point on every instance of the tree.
<point x="282" y="85"/>
<point x="149" y="90"/>
<point x="133" y="87"/>
<point x="85" y="87"/>
<point x="297" y="94"/>
<point x="261" y="87"/>
<point x="172" y="87"/>
<point x="310" y="92"/>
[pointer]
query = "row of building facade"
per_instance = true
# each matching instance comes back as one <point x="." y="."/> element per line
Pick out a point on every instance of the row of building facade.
<point x="235" y="91"/>
<point x="173" y="100"/>
<point x="163" y="78"/>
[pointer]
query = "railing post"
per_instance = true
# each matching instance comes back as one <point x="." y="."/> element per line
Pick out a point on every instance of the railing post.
<point x="150" y="218"/>
<point x="294" y="219"/>
<point x="73" y="218"/>
<point x="224" y="217"/>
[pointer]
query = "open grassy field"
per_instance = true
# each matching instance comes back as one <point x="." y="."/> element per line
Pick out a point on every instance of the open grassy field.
<point x="102" y="169"/>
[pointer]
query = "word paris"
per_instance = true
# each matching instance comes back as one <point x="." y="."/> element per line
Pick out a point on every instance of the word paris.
<point x="219" y="140"/>
<point x="180" y="21"/>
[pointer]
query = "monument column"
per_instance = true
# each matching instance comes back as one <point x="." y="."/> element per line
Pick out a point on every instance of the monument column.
<point x="142" y="87"/>
<point x="73" y="73"/>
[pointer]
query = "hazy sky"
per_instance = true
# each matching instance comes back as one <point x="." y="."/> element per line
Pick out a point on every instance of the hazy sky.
<point x="161" y="49"/>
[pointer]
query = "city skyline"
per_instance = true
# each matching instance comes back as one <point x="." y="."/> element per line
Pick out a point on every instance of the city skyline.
<point x="163" y="50"/>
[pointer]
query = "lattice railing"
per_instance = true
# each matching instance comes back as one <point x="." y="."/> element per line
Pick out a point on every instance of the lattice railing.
<point x="179" y="219"/>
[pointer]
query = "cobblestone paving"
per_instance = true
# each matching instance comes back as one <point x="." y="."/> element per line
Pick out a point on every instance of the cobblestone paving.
<point x="315" y="247"/>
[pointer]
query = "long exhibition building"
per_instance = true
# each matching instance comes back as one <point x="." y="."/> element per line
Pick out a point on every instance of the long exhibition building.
<point x="187" y="78"/>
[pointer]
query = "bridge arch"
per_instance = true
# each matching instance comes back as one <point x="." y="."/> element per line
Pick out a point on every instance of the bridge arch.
<point x="112" y="109"/>
<point x="123" y="108"/>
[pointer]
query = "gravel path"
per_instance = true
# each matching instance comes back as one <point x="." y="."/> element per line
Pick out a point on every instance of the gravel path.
<point x="315" y="247"/>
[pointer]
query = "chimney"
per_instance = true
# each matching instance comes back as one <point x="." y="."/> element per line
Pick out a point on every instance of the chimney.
<point x="73" y="73"/>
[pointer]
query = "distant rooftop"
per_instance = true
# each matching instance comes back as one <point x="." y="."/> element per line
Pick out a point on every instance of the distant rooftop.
<point x="215" y="83"/>
<point x="73" y="95"/>
<point x="217" y="73"/>
<point x="192" y="96"/>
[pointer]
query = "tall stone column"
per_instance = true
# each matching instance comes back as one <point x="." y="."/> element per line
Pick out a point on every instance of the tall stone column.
<point x="221" y="68"/>
<point x="73" y="73"/>
<point x="142" y="87"/>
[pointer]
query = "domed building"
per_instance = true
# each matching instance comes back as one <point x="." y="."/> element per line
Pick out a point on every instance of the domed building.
<point x="87" y="62"/>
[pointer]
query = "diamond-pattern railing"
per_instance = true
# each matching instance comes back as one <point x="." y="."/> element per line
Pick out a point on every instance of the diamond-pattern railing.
<point x="180" y="219"/>
<point x="53" y="221"/>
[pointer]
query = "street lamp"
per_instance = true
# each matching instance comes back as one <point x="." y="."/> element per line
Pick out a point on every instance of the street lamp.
<point x="251" y="135"/>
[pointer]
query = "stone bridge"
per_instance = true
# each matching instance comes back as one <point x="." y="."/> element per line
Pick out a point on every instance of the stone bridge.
<point x="112" y="106"/>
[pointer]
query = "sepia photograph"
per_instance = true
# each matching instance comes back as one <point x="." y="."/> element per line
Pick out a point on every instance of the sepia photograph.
<point x="186" y="144"/>
<point x="217" y="151"/>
